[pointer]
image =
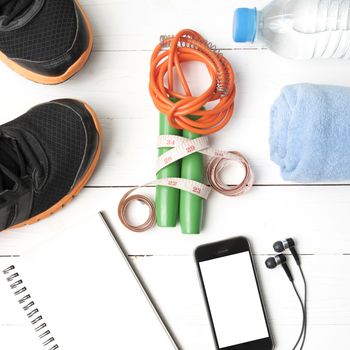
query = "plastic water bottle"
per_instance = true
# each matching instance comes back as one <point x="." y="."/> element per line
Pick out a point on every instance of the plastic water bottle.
<point x="299" y="29"/>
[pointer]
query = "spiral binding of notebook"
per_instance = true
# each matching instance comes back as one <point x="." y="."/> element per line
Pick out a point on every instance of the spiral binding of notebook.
<point x="29" y="307"/>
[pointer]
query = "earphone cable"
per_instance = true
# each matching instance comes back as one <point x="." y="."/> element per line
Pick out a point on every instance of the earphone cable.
<point x="303" y="310"/>
<point x="305" y="306"/>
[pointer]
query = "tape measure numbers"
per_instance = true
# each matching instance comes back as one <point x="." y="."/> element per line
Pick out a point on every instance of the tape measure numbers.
<point x="180" y="148"/>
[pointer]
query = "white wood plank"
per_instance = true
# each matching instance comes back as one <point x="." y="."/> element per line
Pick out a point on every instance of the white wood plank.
<point x="316" y="217"/>
<point x="137" y="24"/>
<point x="319" y="338"/>
<point x="326" y="276"/>
<point x="174" y="285"/>
<point x="116" y="85"/>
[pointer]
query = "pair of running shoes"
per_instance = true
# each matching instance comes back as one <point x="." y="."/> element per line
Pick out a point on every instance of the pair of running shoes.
<point x="48" y="154"/>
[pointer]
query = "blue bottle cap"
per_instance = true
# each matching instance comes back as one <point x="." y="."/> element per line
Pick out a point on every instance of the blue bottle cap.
<point x="245" y="25"/>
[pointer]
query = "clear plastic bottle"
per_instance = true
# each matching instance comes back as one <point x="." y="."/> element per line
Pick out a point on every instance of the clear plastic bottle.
<point x="298" y="29"/>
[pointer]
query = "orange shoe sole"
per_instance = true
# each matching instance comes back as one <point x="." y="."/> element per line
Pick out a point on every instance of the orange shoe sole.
<point x="42" y="79"/>
<point x="78" y="187"/>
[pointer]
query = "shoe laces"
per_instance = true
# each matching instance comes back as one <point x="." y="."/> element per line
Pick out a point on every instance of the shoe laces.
<point x="16" y="161"/>
<point x="13" y="8"/>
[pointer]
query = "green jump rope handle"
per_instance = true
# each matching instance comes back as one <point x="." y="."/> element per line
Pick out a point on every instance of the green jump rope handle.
<point x="167" y="199"/>
<point x="191" y="206"/>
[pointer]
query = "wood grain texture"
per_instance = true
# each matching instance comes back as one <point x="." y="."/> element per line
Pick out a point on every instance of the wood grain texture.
<point x="174" y="285"/>
<point x="315" y="216"/>
<point x="136" y="24"/>
<point x="115" y="83"/>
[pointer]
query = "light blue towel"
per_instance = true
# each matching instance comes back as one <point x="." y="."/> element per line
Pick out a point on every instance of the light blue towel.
<point x="310" y="133"/>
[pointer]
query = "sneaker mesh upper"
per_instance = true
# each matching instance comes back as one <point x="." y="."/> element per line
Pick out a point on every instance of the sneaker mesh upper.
<point x="47" y="36"/>
<point x="61" y="134"/>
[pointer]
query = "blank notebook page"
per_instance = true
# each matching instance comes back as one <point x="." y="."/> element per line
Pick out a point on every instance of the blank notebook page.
<point x="87" y="294"/>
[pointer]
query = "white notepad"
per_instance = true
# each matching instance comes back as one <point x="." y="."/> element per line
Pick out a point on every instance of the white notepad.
<point x="86" y="294"/>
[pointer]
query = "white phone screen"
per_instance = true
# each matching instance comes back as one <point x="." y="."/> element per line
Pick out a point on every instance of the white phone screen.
<point x="234" y="300"/>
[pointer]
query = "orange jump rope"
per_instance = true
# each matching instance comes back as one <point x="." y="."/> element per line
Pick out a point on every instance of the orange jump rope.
<point x="184" y="118"/>
<point x="186" y="112"/>
<point x="186" y="46"/>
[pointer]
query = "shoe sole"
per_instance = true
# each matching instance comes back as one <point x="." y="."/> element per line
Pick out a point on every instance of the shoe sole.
<point x="43" y="79"/>
<point x="78" y="187"/>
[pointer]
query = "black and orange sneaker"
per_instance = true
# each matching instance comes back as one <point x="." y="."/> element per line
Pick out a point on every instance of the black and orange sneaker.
<point x="46" y="157"/>
<point x="46" y="41"/>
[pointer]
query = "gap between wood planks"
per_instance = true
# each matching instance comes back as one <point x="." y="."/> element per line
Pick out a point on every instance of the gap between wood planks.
<point x="257" y="185"/>
<point x="219" y="49"/>
<point x="135" y="256"/>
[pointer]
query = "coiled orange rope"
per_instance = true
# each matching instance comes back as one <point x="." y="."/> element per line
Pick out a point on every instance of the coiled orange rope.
<point x="188" y="45"/>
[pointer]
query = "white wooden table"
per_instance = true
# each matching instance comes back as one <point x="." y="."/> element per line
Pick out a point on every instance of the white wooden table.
<point x="115" y="83"/>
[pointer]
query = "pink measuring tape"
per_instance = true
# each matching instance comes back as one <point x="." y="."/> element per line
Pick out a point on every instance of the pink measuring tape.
<point x="182" y="147"/>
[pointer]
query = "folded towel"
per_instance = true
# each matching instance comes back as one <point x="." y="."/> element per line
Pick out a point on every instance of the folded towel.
<point x="310" y="133"/>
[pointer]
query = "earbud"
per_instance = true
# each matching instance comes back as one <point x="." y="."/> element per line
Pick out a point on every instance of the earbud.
<point x="279" y="259"/>
<point x="281" y="246"/>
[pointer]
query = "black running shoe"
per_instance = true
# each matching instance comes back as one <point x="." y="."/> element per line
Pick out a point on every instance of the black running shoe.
<point x="46" y="41"/>
<point x="46" y="157"/>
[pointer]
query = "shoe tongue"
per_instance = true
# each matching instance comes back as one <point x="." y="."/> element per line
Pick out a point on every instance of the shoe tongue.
<point x="10" y="159"/>
<point x="14" y="8"/>
<point x="6" y="7"/>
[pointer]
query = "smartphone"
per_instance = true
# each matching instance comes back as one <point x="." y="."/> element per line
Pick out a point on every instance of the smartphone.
<point x="233" y="297"/>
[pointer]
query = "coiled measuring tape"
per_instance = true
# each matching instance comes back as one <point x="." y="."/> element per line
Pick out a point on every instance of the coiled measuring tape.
<point x="180" y="148"/>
